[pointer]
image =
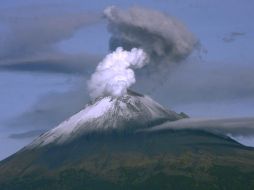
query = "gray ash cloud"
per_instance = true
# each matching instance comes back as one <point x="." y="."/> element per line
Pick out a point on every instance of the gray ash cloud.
<point x="162" y="36"/>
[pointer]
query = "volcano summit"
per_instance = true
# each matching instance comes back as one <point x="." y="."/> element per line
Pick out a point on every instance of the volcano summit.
<point x="116" y="114"/>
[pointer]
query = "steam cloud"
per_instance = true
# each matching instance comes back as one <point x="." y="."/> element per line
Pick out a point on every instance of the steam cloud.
<point x="161" y="36"/>
<point x="114" y="75"/>
<point x="138" y="35"/>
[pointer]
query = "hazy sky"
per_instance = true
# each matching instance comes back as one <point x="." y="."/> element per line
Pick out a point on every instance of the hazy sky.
<point x="48" y="49"/>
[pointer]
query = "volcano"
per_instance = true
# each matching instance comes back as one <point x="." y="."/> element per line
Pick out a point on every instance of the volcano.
<point x="105" y="146"/>
<point x="110" y="114"/>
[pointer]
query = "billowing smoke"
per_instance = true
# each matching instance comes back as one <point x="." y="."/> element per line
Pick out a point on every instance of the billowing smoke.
<point x="141" y="34"/>
<point x="114" y="74"/>
<point x="162" y="37"/>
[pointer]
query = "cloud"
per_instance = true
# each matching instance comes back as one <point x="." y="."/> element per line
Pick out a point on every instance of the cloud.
<point x="163" y="37"/>
<point x="55" y="63"/>
<point x="231" y="37"/>
<point x="232" y="126"/>
<point x="29" y="34"/>
<point x="28" y="134"/>
<point x="207" y="82"/>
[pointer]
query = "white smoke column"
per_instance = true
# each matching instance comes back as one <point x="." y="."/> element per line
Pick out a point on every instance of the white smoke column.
<point x="115" y="73"/>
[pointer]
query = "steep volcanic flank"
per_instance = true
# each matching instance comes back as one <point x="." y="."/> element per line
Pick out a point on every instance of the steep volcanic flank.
<point x="105" y="114"/>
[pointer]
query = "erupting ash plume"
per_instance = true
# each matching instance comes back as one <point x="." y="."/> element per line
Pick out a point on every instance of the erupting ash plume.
<point x="162" y="37"/>
<point x="137" y="35"/>
<point x="114" y="74"/>
<point x="165" y="39"/>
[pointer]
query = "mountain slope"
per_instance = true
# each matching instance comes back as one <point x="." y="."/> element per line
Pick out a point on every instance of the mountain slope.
<point x="107" y="150"/>
<point x="168" y="160"/>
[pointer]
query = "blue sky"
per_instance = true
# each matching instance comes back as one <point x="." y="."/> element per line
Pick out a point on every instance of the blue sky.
<point x="216" y="82"/>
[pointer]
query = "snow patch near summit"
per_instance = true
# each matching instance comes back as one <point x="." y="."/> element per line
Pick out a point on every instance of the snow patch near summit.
<point x="67" y="128"/>
<point x="126" y="113"/>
